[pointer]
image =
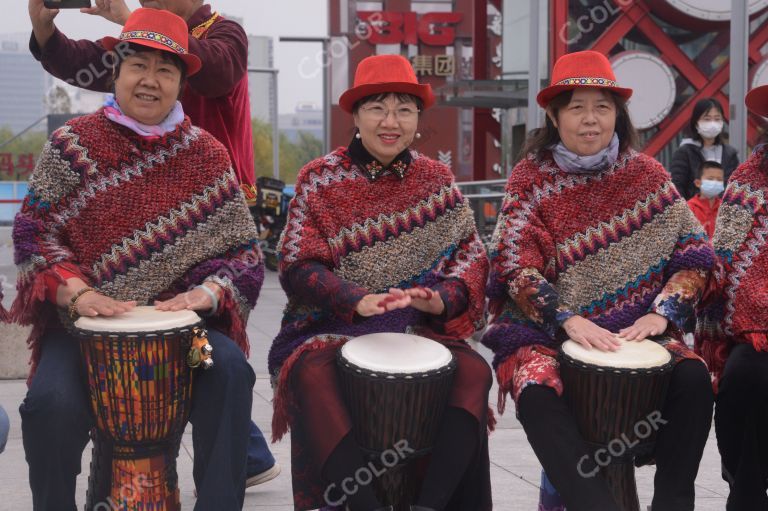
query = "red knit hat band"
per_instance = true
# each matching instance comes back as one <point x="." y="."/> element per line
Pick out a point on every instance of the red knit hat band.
<point x="581" y="69"/>
<point x="159" y="30"/>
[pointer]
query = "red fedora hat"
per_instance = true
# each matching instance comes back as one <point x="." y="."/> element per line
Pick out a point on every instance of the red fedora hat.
<point x="160" y="30"/>
<point x="581" y="69"/>
<point x="385" y="73"/>
<point x="757" y="100"/>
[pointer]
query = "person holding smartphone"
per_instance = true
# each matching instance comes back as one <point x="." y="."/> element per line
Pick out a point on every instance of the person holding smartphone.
<point x="216" y="99"/>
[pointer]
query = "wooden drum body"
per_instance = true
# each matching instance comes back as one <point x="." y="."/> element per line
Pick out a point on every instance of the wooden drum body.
<point x="396" y="387"/>
<point x="616" y="398"/>
<point x="140" y="384"/>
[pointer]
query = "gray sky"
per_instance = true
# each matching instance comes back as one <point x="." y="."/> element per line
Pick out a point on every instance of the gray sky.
<point x="260" y="17"/>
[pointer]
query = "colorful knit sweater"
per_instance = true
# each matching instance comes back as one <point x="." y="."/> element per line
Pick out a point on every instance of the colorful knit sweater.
<point x="610" y="246"/>
<point x="738" y="308"/>
<point x="138" y="219"/>
<point x="353" y="231"/>
<point x="216" y="99"/>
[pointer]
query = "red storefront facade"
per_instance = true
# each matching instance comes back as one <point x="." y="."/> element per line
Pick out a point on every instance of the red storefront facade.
<point x="446" y="42"/>
<point x="455" y="43"/>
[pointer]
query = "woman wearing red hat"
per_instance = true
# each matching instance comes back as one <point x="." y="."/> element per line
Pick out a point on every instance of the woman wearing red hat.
<point x="594" y="243"/>
<point x="133" y="204"/>
<point x="379" y="239"/>
<point x="733" y="328"/>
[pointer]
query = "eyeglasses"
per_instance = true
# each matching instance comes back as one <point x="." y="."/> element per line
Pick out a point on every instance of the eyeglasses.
<point x="379" y="113"/>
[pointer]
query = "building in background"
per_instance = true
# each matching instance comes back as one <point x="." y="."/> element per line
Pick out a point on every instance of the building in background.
<point x="451" y="43"/>
<point x="261" y="55"/>
<point x="23" y="85"/>
<point x="307" y="118"/>
<point x="83" y="101"/>
<point x="475" y="54"/>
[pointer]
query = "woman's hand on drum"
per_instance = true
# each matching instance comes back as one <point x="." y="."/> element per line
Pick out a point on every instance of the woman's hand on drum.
<point x="420" y="298"/>
<point x="88" y="303"/>
<point x="646" y="326"/>
<point x="425" y="300"/>
<point x="589" y="335"/>
<point x="94" y="304"/>
<point x="375" y="304"/>
<point x="194" y="299"/>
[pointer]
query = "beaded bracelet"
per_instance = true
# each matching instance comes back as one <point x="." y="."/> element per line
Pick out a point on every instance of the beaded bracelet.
<point x="73" y="302"/>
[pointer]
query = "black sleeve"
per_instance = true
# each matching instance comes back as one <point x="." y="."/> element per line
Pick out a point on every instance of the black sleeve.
<point x="731" y="164"/>
<point x="682" y="174"/>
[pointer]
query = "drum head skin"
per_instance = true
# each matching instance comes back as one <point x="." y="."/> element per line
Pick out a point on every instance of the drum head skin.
<point x="140" y="319"/>
<point x="396" y="353"/>
<point x="630" y="355"/>
<point x="653" y="82"/>
<point x="716" y="10"/>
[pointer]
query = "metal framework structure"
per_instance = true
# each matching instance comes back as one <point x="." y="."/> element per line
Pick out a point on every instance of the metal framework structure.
<point x="637" y="14"/>
<point x="484" y="125"/>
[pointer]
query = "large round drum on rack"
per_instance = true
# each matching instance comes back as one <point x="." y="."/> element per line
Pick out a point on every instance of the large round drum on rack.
<point x="653" y="85"/>
<point x="699" y="15"/>
<point x="759" y="74"/>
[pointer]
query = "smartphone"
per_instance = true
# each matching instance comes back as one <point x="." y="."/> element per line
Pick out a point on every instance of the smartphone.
<point x="67" y="4"/>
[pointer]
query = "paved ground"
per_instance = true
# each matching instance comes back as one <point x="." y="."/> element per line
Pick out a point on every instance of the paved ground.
<point x="515" y="471"/>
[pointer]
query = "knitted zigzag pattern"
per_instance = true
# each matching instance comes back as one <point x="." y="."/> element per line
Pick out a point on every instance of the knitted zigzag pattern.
<point x="154" y="236"/>
<point x="601" y="236"/>
<point x="372" y="230"/>
<point x="390" y="232"/>
<point x="740" y="243"/>
<point x="607" y="243"/>
<point x="140" y="220"/>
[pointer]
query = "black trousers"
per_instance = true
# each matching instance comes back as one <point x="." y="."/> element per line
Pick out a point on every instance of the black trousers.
<point x="56" y="418"/>
<point x="555" y="438"/>
<point x="741" y="419"/>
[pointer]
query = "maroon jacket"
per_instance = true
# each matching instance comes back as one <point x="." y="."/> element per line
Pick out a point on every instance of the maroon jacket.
<point x="216" y="99"/>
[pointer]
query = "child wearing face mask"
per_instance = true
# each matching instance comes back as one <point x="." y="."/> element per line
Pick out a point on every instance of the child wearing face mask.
<point x="705" y="144"/>
<point x="710" y="182"/>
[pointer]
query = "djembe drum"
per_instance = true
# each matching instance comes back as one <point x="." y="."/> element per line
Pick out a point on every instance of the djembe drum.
<point x="616" y="398"/>
<point x="396" y="387"/>
<point x="139" y="367"/>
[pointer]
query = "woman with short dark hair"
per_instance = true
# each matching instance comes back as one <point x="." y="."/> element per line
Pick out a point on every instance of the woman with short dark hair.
<point x="379" y="239"/>
<point x="705" y="144"/>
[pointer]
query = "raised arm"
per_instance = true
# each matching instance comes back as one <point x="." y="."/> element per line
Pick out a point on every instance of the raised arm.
<point x="224" y="53"/>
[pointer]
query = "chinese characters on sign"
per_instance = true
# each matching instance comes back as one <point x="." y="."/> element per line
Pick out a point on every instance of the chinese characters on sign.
<point x="439" y="65"/>
<point x="18" y="171"/>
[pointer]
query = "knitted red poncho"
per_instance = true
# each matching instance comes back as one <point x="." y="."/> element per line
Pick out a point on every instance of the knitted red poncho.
<point x="137" y="218"/>
<point x="738" y="308"/>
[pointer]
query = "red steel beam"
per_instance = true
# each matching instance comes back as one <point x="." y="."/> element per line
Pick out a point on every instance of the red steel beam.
<point x="674" y="123"/>
<point x="669" y="48"/>
<point x="636" y="14"/>
<point x="480" y="71"/>
<point x="677" y="122"/>
<point x="620" y="27"/>
<point x="558" y="46"/>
